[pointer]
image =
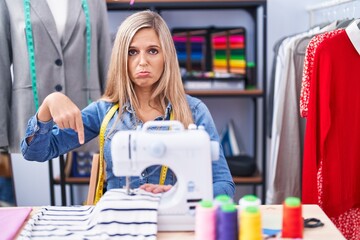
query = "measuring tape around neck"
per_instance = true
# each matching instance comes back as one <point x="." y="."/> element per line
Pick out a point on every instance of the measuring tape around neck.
<point x="31" y="51"/>
<point x="101" y="178"/>
<point x="164" y="168"/>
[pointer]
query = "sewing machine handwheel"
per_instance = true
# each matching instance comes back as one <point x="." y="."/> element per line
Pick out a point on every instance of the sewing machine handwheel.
<point x="157" y="149"/>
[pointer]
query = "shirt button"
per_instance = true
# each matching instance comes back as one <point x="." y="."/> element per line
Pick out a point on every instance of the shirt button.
<point x="143" y="174"/>
<point x="58" y="62"/>
<point x="58" y="88"/>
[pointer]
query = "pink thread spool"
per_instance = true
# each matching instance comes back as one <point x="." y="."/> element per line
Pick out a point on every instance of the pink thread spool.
<point x="205" y="221"/>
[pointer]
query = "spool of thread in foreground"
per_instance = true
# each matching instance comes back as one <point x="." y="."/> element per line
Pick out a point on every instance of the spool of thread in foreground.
<point x="219" y="201"/>
<point x="249" y="200"/>
<point x="222" y="199"/>
<point x="250" y="223"/>
<point x="292" y="223"/>
<point x="205" y="221"/>
<point x="227" y="223"/>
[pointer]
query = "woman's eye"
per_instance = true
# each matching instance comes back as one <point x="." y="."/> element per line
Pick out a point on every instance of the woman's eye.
<point x="153" y="51"/>
<point x="132" y="52"/>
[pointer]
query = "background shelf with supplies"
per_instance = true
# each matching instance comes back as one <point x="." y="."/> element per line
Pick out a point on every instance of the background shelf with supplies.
<point x="194" y="25"/>
<point x="245" y="100"/>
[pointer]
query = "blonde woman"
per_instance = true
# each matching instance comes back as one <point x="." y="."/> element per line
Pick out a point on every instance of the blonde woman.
<point x="144" y="79"/>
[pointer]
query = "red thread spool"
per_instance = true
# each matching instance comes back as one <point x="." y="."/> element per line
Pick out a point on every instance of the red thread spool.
<point x="292" y="224"/>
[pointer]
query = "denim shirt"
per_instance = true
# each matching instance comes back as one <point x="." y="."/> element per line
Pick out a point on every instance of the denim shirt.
<point x="49" y="142"/>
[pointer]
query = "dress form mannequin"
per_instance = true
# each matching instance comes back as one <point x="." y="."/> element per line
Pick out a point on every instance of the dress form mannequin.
<point x="60" y="47"/>
<point x="59" y="11"/>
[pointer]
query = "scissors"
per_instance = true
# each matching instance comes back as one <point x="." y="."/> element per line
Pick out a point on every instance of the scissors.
<point x="312" y="223"/>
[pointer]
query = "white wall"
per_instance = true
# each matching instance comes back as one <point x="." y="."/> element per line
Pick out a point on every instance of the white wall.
<point x="285" y="17"/>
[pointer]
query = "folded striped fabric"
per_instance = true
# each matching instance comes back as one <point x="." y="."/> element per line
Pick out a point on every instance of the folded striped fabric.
<point x="117" y="216"/>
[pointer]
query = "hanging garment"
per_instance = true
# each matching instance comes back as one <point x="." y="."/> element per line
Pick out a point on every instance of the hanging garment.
<point x="116" y="216"/>
<point x="288" y="127"/>
<point x="331" y="163"/>
<point x="308" y="67"/>
<point x="285" y="162"/>
<point x="61" y="63"/>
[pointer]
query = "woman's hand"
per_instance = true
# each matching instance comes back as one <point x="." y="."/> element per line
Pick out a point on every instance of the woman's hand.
<point x="64" y="113"/>
<point x="155" y="188"/>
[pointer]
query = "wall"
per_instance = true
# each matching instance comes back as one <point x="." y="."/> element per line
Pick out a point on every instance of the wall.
<point x="31" y="179"/>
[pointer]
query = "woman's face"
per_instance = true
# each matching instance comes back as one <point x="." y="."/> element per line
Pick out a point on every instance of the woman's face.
<point x="146" y="59"/>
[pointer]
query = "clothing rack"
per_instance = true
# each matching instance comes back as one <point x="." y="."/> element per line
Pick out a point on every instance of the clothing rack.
<point x="332" y="10"/>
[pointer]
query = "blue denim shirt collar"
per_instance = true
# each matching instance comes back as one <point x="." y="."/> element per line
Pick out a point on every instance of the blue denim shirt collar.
<point x="127" y="107"/>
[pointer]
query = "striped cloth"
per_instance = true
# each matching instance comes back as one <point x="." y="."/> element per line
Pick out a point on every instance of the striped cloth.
<point x="116" y="216"/>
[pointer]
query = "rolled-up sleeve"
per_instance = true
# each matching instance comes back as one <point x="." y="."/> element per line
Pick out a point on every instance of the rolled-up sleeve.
<point x="39" y="131"/>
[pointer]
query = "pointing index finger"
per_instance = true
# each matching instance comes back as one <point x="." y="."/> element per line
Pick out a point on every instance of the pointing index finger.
<point x="80" y="129"/>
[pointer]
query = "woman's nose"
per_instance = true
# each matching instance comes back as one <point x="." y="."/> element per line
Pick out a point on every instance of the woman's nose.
<point x="142" y="59"/>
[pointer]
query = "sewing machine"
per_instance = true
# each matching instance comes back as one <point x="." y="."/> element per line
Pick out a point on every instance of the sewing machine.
<point x="188" y="153"/>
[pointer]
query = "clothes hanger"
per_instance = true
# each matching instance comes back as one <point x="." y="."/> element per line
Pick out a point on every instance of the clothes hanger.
<point x="344" y="23"/>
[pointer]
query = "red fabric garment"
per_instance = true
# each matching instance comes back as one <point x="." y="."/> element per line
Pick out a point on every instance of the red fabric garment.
<point x="309" y="66"/>
<point x="332" y="136"/>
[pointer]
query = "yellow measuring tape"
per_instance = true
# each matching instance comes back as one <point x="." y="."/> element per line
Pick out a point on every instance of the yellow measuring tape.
<point x="100" y="183"/>
<point x="101" y="178"/>
<point x="163" y="167"/>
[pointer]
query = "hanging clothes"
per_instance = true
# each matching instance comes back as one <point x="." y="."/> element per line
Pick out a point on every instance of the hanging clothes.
<point x="287" y="126"/>
<point x="331" y="163"/>
<point x="61" y="62"/>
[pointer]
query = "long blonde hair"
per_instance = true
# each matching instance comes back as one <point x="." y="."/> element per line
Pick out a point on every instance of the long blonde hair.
<point x="168" y="89"/>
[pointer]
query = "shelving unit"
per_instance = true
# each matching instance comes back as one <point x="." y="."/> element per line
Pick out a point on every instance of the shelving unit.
<point x="257" y="9"/>
<point x="63" y="180"/>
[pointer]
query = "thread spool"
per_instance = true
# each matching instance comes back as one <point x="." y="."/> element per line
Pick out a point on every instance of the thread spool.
<point x="205" y="221"/>
<point x="227" y="222"/>
<point x="250" y="227"/>
<point x="292" y="222"/>
<point x="222" y="199"/>
<point x="249" y="200"/>
<point x="219" y="201"/>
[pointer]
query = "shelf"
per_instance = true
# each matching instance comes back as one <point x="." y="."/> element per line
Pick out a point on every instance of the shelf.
<point x="184" y="4"/>
<point x="225" y="92"/>
<point x="73" y="180"/>
<point x="179" y="1"/>
<point x="257" y="10"/>
<point x="256" y="179"/>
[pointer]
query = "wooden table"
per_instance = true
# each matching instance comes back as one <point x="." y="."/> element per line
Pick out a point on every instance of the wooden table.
<point x="272" y="219"/>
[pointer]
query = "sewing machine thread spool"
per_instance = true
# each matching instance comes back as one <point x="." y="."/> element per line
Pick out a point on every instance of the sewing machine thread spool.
<point x="227" y="222"/>
<point x="222" y="199"/>
<point x="292" y="222"/>
<point x="249" y="200"/>
<point x="219" y="201"/>
<point x="250" y="223"/>
<point x="205" y="221"/>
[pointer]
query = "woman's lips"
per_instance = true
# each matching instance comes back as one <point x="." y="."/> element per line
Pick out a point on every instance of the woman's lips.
<point x="143" y="74"/>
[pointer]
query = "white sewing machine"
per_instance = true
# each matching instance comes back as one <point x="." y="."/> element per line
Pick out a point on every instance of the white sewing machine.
<point x="188" y="153"/>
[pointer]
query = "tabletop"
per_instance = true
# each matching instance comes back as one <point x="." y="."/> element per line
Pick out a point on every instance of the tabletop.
<point x="272" y="219"/>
